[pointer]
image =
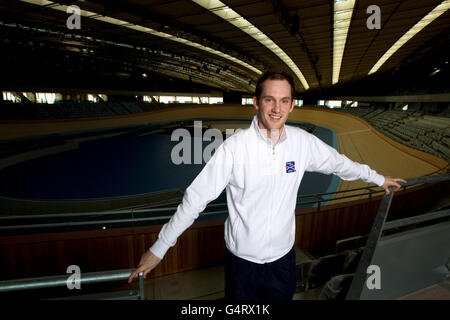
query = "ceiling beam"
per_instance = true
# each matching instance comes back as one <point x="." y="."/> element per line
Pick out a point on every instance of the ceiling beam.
<point x="376" y="35"/>
<point x="291" y="24"/>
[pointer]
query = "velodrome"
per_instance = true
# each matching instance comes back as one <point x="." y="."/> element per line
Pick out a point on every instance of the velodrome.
<point x="91" y="91"/>
<point x="357" y="139"/>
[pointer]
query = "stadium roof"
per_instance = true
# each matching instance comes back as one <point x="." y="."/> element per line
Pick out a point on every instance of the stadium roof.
<point x="226" y="44"/>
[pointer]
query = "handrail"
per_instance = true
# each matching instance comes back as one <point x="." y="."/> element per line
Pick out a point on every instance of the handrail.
<point x="98" y="222"/>
<point x="94" y="213"/>
<point x="359" y="279"/>
<point x="85" y="223"/>
<point x="416" y="219"/>
<point x="63" y="280"/>
<point x="354" y="291"/>
<point x="318" y="199"/>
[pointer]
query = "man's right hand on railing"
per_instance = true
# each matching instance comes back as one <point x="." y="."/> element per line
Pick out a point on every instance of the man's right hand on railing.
<point x="148" y="262"/>
<point x="392" y="182"/>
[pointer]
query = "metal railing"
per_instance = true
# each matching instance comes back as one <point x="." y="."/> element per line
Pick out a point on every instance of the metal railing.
<point x="353" y="293"/>
<point x="359" y="279"/>
<point x="149" y="214"/>
<point x="84" y="279"/>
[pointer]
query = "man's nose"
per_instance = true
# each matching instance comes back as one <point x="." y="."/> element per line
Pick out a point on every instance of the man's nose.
<point x="276" y="107"/>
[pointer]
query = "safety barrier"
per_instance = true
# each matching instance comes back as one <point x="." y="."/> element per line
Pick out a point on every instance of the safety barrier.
<point x="359" y="279"/>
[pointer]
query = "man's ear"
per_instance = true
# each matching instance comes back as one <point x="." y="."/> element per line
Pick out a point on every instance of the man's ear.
<point x="292" y="105"/>
<point x="255" y="103"/>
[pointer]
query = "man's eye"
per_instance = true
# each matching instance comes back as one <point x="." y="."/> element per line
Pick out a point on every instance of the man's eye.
<point x="268" y="100"/>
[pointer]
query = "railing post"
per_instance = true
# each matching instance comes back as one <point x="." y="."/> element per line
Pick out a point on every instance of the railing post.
<point x="359" y="280"/>
<point x="141" y="286"/>
<point x="319" y="201"/>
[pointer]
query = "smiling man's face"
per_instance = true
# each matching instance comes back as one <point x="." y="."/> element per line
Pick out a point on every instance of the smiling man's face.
<point x="274" y="105"/>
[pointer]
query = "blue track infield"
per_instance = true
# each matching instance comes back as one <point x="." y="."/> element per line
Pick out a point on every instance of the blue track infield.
<point x="125" y="166"/>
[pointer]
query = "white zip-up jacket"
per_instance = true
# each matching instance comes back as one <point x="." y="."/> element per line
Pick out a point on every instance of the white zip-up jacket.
<point x="261" y="182"/>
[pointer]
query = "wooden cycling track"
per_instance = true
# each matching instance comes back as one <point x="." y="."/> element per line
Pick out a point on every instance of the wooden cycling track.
<point x="356" y="138"/>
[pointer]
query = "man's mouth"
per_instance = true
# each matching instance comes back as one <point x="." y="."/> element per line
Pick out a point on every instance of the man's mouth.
<point x="275" y="118"/>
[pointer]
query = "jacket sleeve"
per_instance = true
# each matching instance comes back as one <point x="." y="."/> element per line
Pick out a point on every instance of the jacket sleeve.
<point x="206" y="187"/>
<point x="325" y="159"/>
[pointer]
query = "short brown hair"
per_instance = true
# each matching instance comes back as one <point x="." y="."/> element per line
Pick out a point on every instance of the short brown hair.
<point x="274" y="75"/>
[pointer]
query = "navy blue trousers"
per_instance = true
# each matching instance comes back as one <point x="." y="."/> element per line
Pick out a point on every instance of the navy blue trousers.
<point x="273" y="281"/>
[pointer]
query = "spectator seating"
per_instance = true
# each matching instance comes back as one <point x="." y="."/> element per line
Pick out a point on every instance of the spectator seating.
<point x="71" y="109"/>
<point x="12" y="111"/>
<point x="424" y="132"/>
<point x="49" y="111"/>
<point x="84" y="109"/>
<point x="132" y="107"/>
<point x="117" y="108"/>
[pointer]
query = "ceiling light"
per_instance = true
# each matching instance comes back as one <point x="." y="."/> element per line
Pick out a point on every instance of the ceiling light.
<point x="343" y="10"/>
<point x="425" y="21"/>
<point x="126" y="24"/>
<point x="435" y="71"/>
<point x="217" y="7"/>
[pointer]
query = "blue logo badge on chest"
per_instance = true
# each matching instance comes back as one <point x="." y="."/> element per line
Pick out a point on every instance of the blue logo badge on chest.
<point x="290" y="166"/>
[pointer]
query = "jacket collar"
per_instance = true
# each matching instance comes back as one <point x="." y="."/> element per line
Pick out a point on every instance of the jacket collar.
<point x="260" y="133"/>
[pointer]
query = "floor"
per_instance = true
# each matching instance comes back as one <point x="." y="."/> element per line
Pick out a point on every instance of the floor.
<point x="208" y="284"/>
<point x="204" y="284"/>
<point x="440" y="291"/>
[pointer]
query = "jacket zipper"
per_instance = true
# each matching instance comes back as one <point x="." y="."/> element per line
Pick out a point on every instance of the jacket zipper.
<point x="273" y="168"/>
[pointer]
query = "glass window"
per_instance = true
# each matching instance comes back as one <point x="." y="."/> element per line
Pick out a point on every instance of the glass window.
<point x="166" y="99"/>
<point x="215" y="100"/>
<point x="246" y="101"/>
<point x="8" y="96"/>
<point x="184" y="99"/>
<point x="46" y="97"/>
<point x="334" y="104"/>
<point x="298" y="103"/>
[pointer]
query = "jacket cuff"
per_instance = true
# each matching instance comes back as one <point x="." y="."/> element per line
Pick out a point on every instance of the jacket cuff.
<point x="159" y="248"/>
<point x="379" y="180"/>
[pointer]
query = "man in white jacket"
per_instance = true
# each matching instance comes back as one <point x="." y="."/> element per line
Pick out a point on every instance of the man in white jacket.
<point x="261" y="168"/>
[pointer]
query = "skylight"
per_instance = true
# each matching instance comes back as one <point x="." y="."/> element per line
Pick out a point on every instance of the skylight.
<point x="126" y="24"/>
<point x="226" y="13"/>
<point x="343" y="10"/>
<point x="425" y="21"/>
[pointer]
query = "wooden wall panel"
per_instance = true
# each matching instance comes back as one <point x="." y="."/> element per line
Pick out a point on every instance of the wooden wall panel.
<point x="202" y="245"/>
